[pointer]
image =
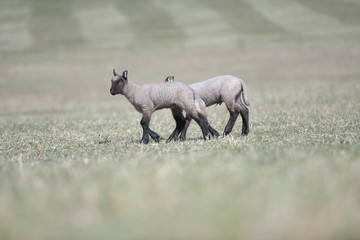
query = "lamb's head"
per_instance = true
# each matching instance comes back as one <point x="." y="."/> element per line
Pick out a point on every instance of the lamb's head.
<point x="169" y="79"/>
<point x="118" y="82"/>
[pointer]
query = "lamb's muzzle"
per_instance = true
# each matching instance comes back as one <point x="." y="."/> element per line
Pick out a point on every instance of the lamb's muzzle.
<point x="117" y="82"/>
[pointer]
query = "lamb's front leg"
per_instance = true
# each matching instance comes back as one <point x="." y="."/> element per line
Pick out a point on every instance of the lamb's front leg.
<point x="145" y="121"/>
<point x="180" y="123"/>
<point x="204" y="125"/>
<point x="186" y="126"/>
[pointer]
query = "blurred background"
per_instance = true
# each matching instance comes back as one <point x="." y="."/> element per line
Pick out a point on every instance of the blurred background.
<point x="71" y="165"/>
<point x="61" y="53"/>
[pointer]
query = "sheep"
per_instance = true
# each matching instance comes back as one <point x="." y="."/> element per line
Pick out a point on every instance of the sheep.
<point x="228" y="89"/>
<point x="147" y="98"/>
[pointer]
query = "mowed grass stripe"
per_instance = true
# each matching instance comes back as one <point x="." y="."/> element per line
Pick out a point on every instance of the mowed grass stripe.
<point x="245" y="19"/>
<point x="53" y="25"/>
<point x="105" y="26"/>
<point x="298" y="18"/>
<point x="150" y="24"/>
<point x="202" y="25"/>
<point x="344" y="11"/>
<point x="14" y="32"/>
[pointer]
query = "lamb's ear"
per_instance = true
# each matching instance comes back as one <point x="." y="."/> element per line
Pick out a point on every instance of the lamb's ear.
<point x="115" y="74"/>
<point x="125" y="74"/>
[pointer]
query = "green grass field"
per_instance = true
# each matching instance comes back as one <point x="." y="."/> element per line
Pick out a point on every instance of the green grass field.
<point x="71" y="166"/>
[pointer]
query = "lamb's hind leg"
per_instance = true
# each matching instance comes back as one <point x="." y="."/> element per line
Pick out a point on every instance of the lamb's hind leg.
<point x="244" y="112"/>
<point x="204" y="125"/>
<point x="230" y="102"/>
<point x="230" y="124"/>
<point x="212" y="131"/>
<point x="198" y="113"/>
<point x="206" y="129"/>
<point x="236" y="107"/>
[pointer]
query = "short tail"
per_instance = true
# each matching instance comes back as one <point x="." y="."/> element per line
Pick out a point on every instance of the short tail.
<point x="244" y="99"/>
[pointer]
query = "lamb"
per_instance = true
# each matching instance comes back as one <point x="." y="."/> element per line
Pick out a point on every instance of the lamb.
<point x="228" y="89"/>
<point x="147" y="98"/>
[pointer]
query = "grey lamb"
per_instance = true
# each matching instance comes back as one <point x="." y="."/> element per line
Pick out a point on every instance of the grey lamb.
<point x="228" y="89"/>
<point x="147" y="98"/>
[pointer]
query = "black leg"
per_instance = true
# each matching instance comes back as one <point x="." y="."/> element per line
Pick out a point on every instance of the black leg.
<point x="213" y="132"/>
<point x="230" y="124"/>
<point x="145" y="125"/>
<point x="154" y="135"/>
<point x="173" y="136"/>
<point x="184" y="130"/>
<point x="204" y="125"/>
<point x="180" y="123"/>
<point x="245" y="120"/>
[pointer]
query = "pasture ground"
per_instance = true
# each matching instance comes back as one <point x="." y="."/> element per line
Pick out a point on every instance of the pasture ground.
<point x="71" y="166"/>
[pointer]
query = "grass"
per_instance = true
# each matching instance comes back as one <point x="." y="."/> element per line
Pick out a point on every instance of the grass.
<point x="71" y="166"/>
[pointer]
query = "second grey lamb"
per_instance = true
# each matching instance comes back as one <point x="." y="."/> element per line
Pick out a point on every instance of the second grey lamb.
<point x="228" y="89"/>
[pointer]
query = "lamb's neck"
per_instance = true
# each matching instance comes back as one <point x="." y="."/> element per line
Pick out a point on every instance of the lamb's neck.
<point x="130" y="90"/>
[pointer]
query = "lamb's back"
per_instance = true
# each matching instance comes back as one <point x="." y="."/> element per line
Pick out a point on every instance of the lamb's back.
<point x="167" y="95"/>
<point x="212" y="90"/>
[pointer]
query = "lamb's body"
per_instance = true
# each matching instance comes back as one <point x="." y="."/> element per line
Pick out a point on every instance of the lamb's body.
<point x="222" y="89"/>
<point x="147" y="98"/>
<point x="156" y="96"/>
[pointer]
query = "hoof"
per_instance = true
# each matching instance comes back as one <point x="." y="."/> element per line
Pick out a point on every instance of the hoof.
<point x="226" y="133"/>
<point x="144" y="141"/>
<point x="156" y="138"/>
<point x="215" y="135"/>
<point x="174" y="136"/>
<point x="245" y="132"/>
<point x="182" y="138"/>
